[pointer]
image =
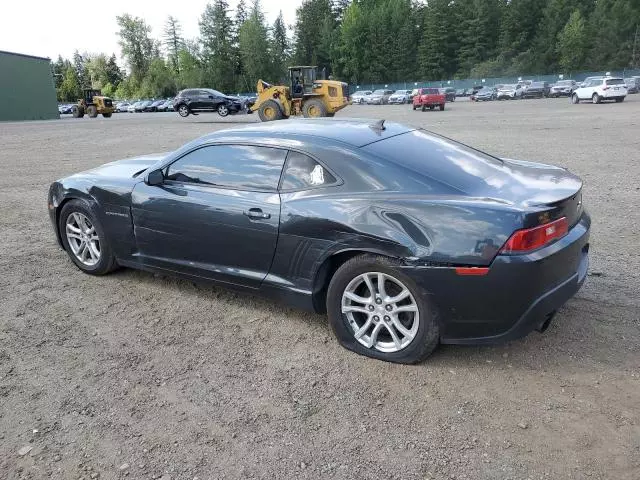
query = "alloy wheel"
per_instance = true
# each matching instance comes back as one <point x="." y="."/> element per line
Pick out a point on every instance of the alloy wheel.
<point x="83" y="239"/>
<point x="183" y="111"/>
<point x="381" y="312"/>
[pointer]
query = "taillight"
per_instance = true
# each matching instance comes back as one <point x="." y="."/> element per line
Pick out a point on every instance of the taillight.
<point x="533" y="238"/>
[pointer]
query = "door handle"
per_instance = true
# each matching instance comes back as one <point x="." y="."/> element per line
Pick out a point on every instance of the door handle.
<point x="257" y="213"/>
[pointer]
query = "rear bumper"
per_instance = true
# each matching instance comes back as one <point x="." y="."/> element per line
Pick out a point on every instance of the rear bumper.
<point x="517" y="296"/>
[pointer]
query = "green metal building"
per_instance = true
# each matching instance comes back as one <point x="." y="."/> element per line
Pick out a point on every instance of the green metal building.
<point x="27" y="91"/>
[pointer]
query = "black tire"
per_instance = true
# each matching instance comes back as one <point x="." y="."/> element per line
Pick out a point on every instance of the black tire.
<point x="441" y="106"/>
<point x="574" y="99"/>
<point x="77" y="112"/>
<point x="106" y="115"/>
<point x="596" y="98"/>
<point x="427" y="336"/>
<point x="222" y="110"/>
<point x="424" y="108"/>
<point x="619" y="99"/>
<point x="183" y="110"/>
<point x="270" y="106"/>
<point x="313" y="106"/>
<point x="92" y="111"/>
<point x="107" y="262"/>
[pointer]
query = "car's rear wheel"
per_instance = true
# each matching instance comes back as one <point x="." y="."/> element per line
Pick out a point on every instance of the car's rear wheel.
<point x="424" y="108"/>
<point x="376" y="310"/>
<point x="183" y="110"/>
<point x="620" y="99"/>
<point x="575" y="99"/>
<point x="595" y="98"/>
<point x="84" y="240"/>
<point x="441" y="106"/>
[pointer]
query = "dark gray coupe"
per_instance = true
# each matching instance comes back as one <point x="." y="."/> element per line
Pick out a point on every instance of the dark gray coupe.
<point x="405" y="238"/>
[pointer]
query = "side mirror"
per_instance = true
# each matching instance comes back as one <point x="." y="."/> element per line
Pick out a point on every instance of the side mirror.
<point x="155" y="178"/>
<point x="211" y="97"/>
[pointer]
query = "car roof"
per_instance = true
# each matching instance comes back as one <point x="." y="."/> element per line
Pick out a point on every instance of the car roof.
<point x="356" y="132"/>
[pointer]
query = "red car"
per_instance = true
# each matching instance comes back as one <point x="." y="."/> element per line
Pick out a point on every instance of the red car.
<point x="429" y="98"/>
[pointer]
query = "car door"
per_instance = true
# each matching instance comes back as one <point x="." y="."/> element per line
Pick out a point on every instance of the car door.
<point x="215" y="215"/>
<point x="587" y="91"/>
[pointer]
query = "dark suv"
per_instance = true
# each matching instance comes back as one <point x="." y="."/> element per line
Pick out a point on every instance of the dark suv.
<point x="193" y="100"/>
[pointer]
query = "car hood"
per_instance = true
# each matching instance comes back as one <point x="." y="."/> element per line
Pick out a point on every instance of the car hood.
<point x="232" y="98"/>
<point x="125" y="168"/>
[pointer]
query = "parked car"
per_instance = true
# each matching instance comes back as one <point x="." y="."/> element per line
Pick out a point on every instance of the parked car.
<point x="132" y="107"/>
<point x="379" y="97"/>
<point x="65" y="109"/>
<point x="536" y="90"/>
<point x="449" y="94"/>
<point x="400" y="96"/>
<point x="195" y="100"/>
<point x="429" y="98"/>
<point x="599" y="89"/>
<point x="142" y="105"/>
<point x="324" y="215"/>
<point x="509" y="92"/>
<point x="563" y="88"/>
<point x="485" y="94"/>
<point x="462" y="92"/>
<point x="166" y="106"/>
<point x="123" y="107"/>
<point x="359" y="97"/>
<point x="633" y="84"/>
<point x="153" y="106"/>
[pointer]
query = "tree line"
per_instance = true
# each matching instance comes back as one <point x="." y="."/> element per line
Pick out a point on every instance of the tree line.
<point x="362" y="41"/>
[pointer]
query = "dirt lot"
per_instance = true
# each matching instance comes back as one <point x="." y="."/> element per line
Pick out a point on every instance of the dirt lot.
<point x="149" y="377"/>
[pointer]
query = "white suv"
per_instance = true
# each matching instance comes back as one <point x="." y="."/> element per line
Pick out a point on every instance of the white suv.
<point x="599" y="89"/>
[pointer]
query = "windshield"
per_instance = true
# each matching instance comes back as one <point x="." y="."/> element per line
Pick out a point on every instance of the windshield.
<point x="508" y="87"/>
<point x="537" y="84"/>
<point x="564" y="82"/>
<point x="379" y="92"/>
<point x="615" y="81"/>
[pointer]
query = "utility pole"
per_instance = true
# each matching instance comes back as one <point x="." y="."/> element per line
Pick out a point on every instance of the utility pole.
<point x="634" y="55"/>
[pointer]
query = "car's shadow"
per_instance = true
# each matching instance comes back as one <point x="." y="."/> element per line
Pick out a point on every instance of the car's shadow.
<point x="573" y="340"/>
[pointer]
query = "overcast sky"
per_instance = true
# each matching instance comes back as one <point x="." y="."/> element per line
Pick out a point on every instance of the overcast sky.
<point x="48" y="28"/>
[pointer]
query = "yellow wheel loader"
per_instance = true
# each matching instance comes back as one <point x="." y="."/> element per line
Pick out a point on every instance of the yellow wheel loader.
<point x="93" y="104"/>
<point x="305" y="95"/>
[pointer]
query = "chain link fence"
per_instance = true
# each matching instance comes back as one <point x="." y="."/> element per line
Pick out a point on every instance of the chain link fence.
<point x="473" y="82"/>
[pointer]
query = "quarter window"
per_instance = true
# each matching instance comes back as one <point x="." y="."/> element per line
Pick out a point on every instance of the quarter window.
<point x="242" y="167"/>
<point x="303" y="172"/>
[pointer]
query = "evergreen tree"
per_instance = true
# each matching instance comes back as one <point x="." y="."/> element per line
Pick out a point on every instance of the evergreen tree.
<point x="313" y="23"/>
<point x="572" y="43"/>
<point x="216" y="37"/>
<point x="279" y="48"/>
<point x="113" y="73"/>
<point x="479" y="23"/>
<point x="435" y="56"/>
<point x="613" y="26"/>
<point x="254" y="46"/>
<point x="173" y="42"/>
<point x="137" y="45"/>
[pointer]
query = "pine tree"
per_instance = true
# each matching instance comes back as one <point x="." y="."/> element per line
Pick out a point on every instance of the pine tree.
<point x="173" y="41"/>
<point x="435" y="57"/>
<point x="479" y="32"/>
<point x="254" y="46"/>
<point x="572" y="43"/>
<point x="279" y="48"/>
<point x="313" y="23"/>
<point x="217" y="46"/>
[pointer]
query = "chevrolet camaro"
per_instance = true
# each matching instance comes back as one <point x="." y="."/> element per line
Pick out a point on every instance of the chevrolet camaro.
<point x="405" y="238"/>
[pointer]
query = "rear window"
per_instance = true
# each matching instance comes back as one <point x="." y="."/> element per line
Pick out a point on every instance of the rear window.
<point x="614" y="81"/>
<point x="439" y="158"/>
<point x="430" y="91"/>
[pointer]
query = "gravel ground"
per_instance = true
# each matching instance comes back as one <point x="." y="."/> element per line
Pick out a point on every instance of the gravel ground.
<point x="144" y="376"/>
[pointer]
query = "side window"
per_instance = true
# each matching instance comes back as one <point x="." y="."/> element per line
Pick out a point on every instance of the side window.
<point x="241" y="167"/>
<point x="303" y="172"/>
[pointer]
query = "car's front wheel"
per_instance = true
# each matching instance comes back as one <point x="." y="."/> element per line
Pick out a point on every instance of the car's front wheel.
<point x="183" y="110"/>
<point x="575" y="99"/>
<point x="84" y="240"/>
<point x="595" y="98"/>
<point x="376" y="310"/>
<point x="223" y="110"/>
